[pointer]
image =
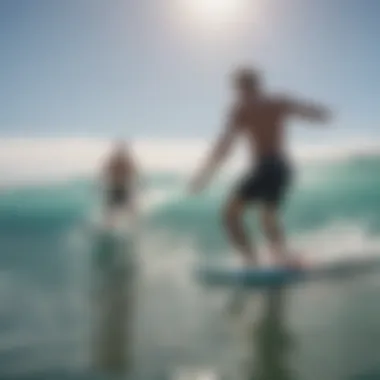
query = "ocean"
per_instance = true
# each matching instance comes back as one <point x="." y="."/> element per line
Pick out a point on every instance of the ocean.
<point x="178" y="329"/>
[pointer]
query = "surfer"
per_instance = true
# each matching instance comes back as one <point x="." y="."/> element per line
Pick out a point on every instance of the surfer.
<point x="120" y="175"/>
<point x="260" y="119"/>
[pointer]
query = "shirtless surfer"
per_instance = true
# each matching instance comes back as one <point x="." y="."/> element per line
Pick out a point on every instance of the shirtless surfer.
<point x="260" y="119"/>
<point x="120" y="176"/>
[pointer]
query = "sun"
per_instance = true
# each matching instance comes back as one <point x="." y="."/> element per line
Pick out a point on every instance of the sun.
<point x="215" y="8"/>
<point x="214" y="11"/>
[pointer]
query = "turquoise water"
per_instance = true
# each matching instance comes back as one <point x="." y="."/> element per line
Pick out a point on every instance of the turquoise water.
<point x="326" y="330"/>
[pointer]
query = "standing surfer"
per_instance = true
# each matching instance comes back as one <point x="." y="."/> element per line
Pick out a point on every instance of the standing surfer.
<point x="113" y="275"/>
<point x="260" y="119"/>
<point x="120" y="177"/>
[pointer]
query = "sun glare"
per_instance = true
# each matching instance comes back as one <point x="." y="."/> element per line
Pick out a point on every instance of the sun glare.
<point x="215" y="11"/>
<point x="215" y="8"/>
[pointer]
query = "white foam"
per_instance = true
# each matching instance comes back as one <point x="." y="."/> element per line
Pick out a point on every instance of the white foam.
<point x="338" y="240"/>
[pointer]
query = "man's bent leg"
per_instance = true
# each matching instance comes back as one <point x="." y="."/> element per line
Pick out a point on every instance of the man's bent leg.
<point x="274" y="232"/>
<point x="233" y="221"/>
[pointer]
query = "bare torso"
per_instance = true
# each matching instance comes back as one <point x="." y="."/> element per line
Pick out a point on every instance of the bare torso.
<point x="262" y="123"/>
<point x="118" y="171"/>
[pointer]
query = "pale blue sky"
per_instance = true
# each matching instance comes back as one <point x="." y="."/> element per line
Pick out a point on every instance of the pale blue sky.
<point x="143" y="68"/>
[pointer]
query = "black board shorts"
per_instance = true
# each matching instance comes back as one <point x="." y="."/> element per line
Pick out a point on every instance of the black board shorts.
<point x="117" y="196"/>
<point x="267" y="182"/>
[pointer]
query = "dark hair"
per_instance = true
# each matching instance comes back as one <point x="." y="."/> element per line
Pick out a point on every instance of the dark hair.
<point x="247" y="77"/>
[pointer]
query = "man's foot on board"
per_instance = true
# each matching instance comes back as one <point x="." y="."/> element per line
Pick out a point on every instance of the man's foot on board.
<point x="295" y="263"/>
<point x="291" y="262"/>
<point x="249" y="262"/>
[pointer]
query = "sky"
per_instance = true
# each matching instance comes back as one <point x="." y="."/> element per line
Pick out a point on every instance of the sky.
<point x="158" y="69"/>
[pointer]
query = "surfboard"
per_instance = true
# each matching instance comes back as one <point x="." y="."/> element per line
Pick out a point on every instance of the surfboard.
<point x="218" y="276"/>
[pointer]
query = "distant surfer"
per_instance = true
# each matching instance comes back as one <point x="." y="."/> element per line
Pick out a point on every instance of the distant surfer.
<point x="260" y="119"/>
<point x="114" y="269"/>
<point x="120" y="176"/>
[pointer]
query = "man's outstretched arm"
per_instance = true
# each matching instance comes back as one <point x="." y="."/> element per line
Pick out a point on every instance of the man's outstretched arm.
<point x="219" y="152"/>
<point x="308" y="110"/>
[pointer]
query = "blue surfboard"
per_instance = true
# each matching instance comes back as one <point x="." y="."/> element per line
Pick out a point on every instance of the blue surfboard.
<point x="276" y="276"/>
